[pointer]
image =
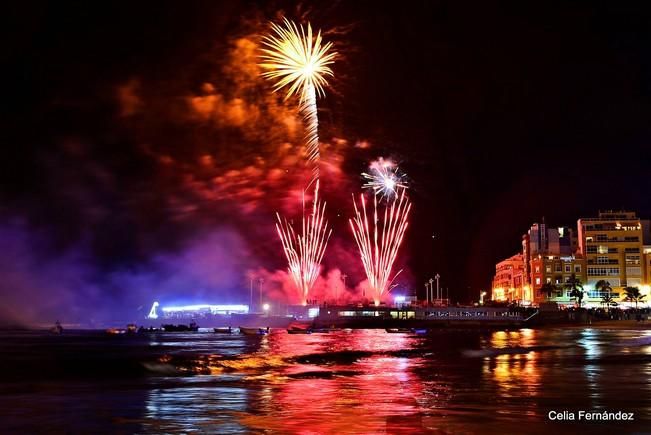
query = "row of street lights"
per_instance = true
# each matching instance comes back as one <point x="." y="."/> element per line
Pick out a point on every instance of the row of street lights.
<point x="429" y="289"/>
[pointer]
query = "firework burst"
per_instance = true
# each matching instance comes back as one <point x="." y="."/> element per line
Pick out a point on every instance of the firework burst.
<point x="384" y="178"/>
<point x="379" y="244"/>
<point x="298" y="61"/>
<point x="305" y="251"/>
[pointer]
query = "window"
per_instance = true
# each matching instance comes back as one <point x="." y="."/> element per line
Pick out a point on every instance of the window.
<point x="548" y="269"/>
<point x="538" y="281"/>
<point x="603" y="271"/>
<point x="568" y="268"/>
<point x="591" y="249"/>
<point x="602" y="249"/>
<point x="557" y="267"/>
<point x="549" y="280"/>
<point x="602" y="260"/>
<point x="602" y="238"/>
<point x="538" y="269"/>
<point x="577" y="268"/>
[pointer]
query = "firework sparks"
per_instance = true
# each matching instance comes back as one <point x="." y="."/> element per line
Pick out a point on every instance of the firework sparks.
<point x="384" y="178"/>
<point x="305" y="251"/>
<point x="378" y="245"/>
<point x="299" y="62"/>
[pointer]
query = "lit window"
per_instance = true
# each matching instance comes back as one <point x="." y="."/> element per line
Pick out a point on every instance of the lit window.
<point x="537" y="281"/>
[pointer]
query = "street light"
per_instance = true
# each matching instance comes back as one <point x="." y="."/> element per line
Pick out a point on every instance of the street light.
<point x="481" y="297"/>
<point x="437" y="277"/>
<point x="265" y="307"/>
<point x="261" y="281"/>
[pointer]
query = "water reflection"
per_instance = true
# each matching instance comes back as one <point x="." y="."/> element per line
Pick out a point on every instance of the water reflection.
<point x="194" y="408"/>
<point x="343" y="382"/>
<point x="358" y="384"/>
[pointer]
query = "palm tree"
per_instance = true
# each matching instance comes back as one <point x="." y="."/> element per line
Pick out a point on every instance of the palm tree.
<point x="603" y="286"/>
<point x="548" y="288"/>
<point x="633" y="295"/>
<point x="607" y="300"/>
<point x="575" y="287"/>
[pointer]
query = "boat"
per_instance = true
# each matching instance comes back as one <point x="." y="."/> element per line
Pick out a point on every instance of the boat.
<point x="226" y="330"/>
<point x="419" y="331"/>
<point x="116" y="331"/>
<point x="295" y="330"/>
<point x="254" y="331"/>
<point x="192" y="327"/>
<point x="57" y="328"/>
<point x="324" y="330"/>
<point x="398" y="330"/>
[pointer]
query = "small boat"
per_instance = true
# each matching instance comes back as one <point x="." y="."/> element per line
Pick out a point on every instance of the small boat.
<point x="254" y="331"/>
<point x="130" y="329"/>
<point x="116" y="331"/>
<point x="419" y="331"/>
<point x="57" y="328"/>
<point x="323" y="330"/>
<point x="398" y="330"/>
<point x="192" y="327"/>
<point x="296" y="330"/>
<point x="227" y="330"/>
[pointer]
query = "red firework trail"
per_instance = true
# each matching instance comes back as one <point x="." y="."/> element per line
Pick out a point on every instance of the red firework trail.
<point x="379" y="245"/>
<point x="305" y="251"/>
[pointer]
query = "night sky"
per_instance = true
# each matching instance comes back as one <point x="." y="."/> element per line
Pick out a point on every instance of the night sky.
<point x="144" y="157"/>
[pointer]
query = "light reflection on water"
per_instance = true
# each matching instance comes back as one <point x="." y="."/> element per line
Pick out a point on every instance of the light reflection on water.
<point x="364" y="381"/>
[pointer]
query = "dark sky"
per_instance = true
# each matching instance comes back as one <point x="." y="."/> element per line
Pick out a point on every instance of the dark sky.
<point x="500" y="113"/>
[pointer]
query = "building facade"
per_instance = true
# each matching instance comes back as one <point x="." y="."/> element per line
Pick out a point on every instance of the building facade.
<point x="612" y="244"/>
<point x="509" y="282"/>
<point x="615" y="247"/>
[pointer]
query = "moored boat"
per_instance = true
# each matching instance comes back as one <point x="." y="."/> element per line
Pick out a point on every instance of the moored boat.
<point x="254" y="331"/>
<point x="116" y="331"/>
<point x="192" y="327"/>
<point x="398" y="330"/>
<point x="225" y="330"/>
<point x="57" y="328"/>
<point x="296" y="330"/>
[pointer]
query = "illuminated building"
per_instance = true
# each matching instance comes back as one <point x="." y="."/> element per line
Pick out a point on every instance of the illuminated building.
<point x="646" y="256"/>
<point x="612" y="245"/>
<point x="202" y="310"/>
<point x="548" y="257"/>
<point x="509" y="281"/>
<point x="556" y="270"/>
